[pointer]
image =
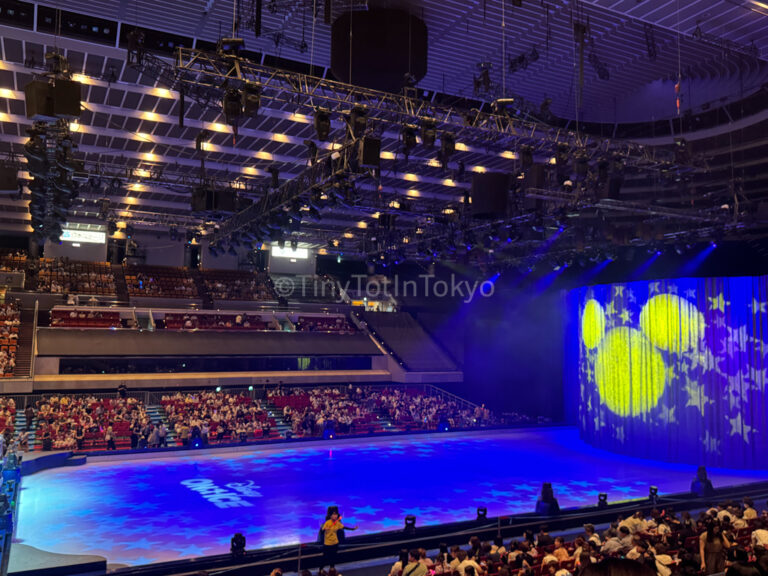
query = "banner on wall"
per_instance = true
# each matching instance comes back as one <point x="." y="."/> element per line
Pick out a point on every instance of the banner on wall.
<point x="676" y="370"/>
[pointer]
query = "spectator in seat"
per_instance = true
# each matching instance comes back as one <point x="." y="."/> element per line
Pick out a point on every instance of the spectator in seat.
<point x="620" y="544"/>
<point x="760" y="535"/>
<point x="713" y="546"/>
<point x="398" y="566"/>
<point x="109" y="437"/>
<point x="560" y="551"/>
<point x="414" y="567"/>
<point x="29" y="416"/>
<point x="543" y="539"/>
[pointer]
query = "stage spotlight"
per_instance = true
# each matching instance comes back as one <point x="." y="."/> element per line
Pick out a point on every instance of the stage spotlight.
<point x="294" y="245"/>
<point x="311" y="151"/>
<point x="275" y="172"/>
<point x="232" y="106"/>
<point x="408" y="138"/>
<point x="428" y="132"/>
<point x="218" y="388"/>
<point x="358" y="122"/>
<point x="602" y="500"/>
<point x="237" y="545"/>
<point x="251" y="100"/>
<point x="195" y="443"/>
<point x="322" y="123"/>
<point x="410" y="525"/>
<point x="547" y="504"/>
<point x="129" y="231"/>
<point x="230" y="46"/>
<point x="482" y="513"/>
<point x="443" y="425"/>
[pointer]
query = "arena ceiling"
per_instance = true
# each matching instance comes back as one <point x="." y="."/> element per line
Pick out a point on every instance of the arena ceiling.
<point x="129" y="130"/>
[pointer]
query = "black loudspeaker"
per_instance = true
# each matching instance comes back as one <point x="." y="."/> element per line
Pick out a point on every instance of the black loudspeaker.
<point x="48" y="103"/>
<point x="490" y="193"/>
<point x="386" y="44"/>
<point x="66" y="99"/>
<point x="387" y="221"/>
<point x="207" y="200"/>
<point x="9" y="178"/>
<point x="536" y="177"/>
<point x="369" y="152"/>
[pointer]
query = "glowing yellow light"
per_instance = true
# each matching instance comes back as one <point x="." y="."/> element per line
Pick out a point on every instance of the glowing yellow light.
<point x="74" y="127"/>
<point x="762" y="5"/>
<point x="434" y="163"/>
<point x="672" y="323"/>
<point x="150" y="157"/>
<point x="406" y="240"/>
<point x="479" y="169"/>
<point x="261" y="155"/>
<point x="448" y="211"/>
<point x="219" y="127"/>
<point x="141" y="173"/>
<point x="277" y="137"/>
<point x="125" y="214"/>
<point x="237" y="185"/>
<point x="83" y="79"/>
<point x="296" y="117"/>
<point x="7" y="93"/>
<point x="387" y="155"/>
<point x="151" y="116"/>
<point x="375" y="214"/>
<point x="461" y="147"/>
<point x="449" y="182"/>
<point x="251" y="171"/>
<point x="143" y="136"/>
<point x="411" y="177"/>
<point x="130" y="200"/>
<point x="322" y="251"/>
<point x="394" y="204"/>
<point x="630" y="372"/>
<point x="348" y="235"/>
<point x="553" y="160"/>
<point x="135" y="187"/>
<point x="592" y="324"/>
<point x="120" y="224"/>
<point x="4" y="117"/>
<point x="413" y="193"/>
<point x="509" y="155"/>
<point x="208" y="147"/>
<point x="362" y="224"/>
<point x="161" y="92"/>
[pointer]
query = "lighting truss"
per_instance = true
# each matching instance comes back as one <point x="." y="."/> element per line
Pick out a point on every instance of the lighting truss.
<point x="204" y="77"/>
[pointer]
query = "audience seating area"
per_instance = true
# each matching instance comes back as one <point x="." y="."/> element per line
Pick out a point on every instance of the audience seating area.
<point x="160" y="282"/>
<point x="63" y="276"/>
<point x="70" y="422"/>
<point x="217" y="417"/>
<point x="233" y="285"/>
<point x="337" y="324"/>
<point x="209" y="321"/>
<point x="85" y="318"/>
<point x="666" y="543"/>
<point x="307" y="288"/>
<point x="10" y="319"/>
<point x="13" y="261"/>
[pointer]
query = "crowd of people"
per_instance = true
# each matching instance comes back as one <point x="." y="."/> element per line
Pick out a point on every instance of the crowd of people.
<point x="87" y="319"/>
<point x="153" y="281"/>
<point x="216" y="417"/>
<point x="317" y="411"/>
<point x="10" y="319"/>
<point x="69" y="422"/>
<point x="238" y="286"/>
<point x="13" y="261"/>
<point x="335" y="324"/>
<point x="730" y="538"/>
<point x="64" y="276"/>
<point x="216" y="321"/>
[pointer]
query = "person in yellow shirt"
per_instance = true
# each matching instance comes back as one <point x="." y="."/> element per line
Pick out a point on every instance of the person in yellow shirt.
<point x="330" y="529"/>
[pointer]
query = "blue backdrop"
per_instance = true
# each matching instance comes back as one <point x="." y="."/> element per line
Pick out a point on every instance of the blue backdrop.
<point x="675" y="369"/>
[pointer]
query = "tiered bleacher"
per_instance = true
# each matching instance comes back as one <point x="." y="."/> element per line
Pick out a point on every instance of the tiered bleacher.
<point x="330" y="323"/>
<point x="160" y="282"/>
<point x="10" y="319"/>
<point x="235" y="285"/>
<point x="13" y="261"/>
<point x="85" y="318"/>
<point x="217" y="417"/>
<point x="63" y="276"/>
<point x="210" y="321"/>
<point x="69" y="422"/>
<point x="663" y="542"/>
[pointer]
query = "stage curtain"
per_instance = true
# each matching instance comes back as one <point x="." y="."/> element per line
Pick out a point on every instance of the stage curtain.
<point x="675" y="369"/>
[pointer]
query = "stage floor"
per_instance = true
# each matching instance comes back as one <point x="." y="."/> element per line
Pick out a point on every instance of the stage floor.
<point x="151" y="510"/>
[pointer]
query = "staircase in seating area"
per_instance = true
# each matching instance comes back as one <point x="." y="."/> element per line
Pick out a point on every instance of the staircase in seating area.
<point x="24" y="344"/>
<point x="121" y="288"/>
<point x="409" y="341"/>
<point x="156" y="414"/>
<point x="277" y="415"/>
<point x="201" y="288"/>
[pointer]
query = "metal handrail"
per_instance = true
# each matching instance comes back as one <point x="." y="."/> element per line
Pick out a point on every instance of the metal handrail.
<point x="32" y="355"/>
